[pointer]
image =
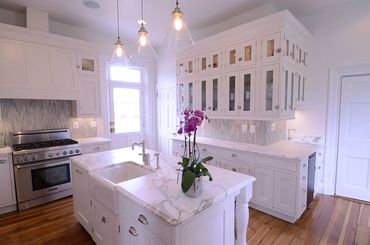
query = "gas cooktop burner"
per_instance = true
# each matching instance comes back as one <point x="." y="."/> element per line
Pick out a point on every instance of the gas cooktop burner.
<point x="43" y="144"/>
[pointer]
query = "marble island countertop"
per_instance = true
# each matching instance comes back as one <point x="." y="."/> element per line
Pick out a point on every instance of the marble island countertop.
<point x="283" y="149"/>
<point x="92" y="140"/>
<point x="159" y="192"/>
<point x="5" y="150"/>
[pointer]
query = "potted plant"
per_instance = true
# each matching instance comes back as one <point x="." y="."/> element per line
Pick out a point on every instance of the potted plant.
<point x="192" y="166"/>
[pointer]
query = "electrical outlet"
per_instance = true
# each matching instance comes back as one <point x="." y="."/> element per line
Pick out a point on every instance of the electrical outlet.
<point x="75" y="124"/>
<point x="245" y="128"/>
<point x="93" y="124"/>
<point x="273" y="127"/>
<point x="252" y="129"/>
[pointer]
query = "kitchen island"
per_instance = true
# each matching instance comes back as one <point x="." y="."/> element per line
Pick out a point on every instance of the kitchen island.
<point x="152" y="209"/>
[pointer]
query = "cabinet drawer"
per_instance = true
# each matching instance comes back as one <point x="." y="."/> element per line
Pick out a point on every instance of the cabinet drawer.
<point x="95" y="148"/>
<point x="242" y="157"/>
<point x="143" y="219"/>
<point x="276" y="163"/>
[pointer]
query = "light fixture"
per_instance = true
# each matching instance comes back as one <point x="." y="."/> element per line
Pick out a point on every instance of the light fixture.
<point x="178" y="37"/>
<point x="145" y="47"/>
<point x="119" y="57"/>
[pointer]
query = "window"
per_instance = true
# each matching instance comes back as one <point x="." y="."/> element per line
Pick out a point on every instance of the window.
<point x="126" y="100"/>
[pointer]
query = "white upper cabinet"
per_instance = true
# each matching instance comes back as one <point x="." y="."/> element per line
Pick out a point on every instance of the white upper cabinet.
<point x="12" y="63"/>
<point x="62" y="67"/>
<point x="263" y="66"/>
<point x="39" y="75"/>
<point x="88" y="105"/>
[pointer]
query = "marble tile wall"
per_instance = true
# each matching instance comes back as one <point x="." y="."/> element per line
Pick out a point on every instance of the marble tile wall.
<point x="24" y="115"/>
<point x="226" y="129"/>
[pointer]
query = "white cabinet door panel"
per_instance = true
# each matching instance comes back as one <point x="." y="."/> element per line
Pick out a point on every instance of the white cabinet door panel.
<point x="89" y="103"/>
<point x="6" y="189"/>
<point x="285" y="186"/>
<point x="63" y="69"/>
<point x="263" y="187"/>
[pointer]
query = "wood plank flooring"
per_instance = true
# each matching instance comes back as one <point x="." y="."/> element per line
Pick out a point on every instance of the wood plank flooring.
<point x="329" y="220"/>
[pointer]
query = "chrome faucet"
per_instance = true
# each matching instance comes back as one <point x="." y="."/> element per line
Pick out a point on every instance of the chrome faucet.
<point x="146" y="156"/>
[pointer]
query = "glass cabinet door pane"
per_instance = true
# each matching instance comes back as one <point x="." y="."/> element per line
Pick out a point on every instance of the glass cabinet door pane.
<point x="292" y="93"/>
<point x="286" y="90"/>
<point x="232" y="57"/>
<point x="190" y="67"/>
<point x="269" y="89"/>
<point x="181" y="97"/>
<point x="215" y="61"/>
<point x="299" y="88"/>
<point x="215" y="95"/>
<point x="247" y="93"/>
<point x="232" y="85"/>
<point x="293" y="51"/>
<point x="303" y="88"/>
<point x="204" y="64"/>
<point x="203" y="95"/>
<point x="270" y="47"/>
<point x="287" y="48"/>
<point x="190" y="94"/>
<point x="248" y="53"/>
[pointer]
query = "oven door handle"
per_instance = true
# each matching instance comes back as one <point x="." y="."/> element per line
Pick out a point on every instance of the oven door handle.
<point x="35" y="164"/>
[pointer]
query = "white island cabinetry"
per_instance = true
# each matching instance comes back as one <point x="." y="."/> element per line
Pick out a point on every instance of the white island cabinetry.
<point x="152" y="209"/>
<point x="7" y="187"/>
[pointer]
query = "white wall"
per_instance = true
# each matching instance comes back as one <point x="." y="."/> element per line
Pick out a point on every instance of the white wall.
<point x="341" y="39"/>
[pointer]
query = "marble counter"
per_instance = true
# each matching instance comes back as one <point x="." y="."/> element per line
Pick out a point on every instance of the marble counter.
<point x="92" y="140"/>
<point x="159" y="192"/>
<point x="280" y="149"/>
<point x="5" y="150"/>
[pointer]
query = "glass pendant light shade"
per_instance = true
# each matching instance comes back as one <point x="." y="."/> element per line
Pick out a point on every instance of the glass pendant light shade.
<point x="178" y="36"/>
<point x="119" y="57"/>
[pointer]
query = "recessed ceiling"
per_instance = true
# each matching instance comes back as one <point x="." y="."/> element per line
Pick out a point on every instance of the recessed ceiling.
<point x="199" y="14"/>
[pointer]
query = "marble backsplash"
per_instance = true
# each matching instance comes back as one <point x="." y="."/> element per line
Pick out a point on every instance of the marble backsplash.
<point x="25" y="115"/>
<point x="232" y="130"/>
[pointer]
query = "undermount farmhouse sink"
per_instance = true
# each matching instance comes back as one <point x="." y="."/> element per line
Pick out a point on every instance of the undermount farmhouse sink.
<point x="102" y="182"/>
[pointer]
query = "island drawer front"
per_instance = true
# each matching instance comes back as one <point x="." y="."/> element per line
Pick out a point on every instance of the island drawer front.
<point x="152" y="224"/>
<point x="95" y="148"/>
<point x="242" y="157"/>
<point x="276" y="163"/>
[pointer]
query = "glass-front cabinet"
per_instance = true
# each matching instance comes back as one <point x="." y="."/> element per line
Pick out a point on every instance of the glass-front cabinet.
<point x="240" y="92"/>
<point x="269" y="97"/>
<point x="186" y="96"/>
<point x="271" y="48"/>
<point x="288" y="90"/>
<point x="294" y="52"/>
<point x="241" y="54"/>
<point x="209" y="91"/>
<point x="185" y="68"/>
<point x="300" y="89"/>
<point x="209" y="62"/>
<point x="87" y="64"/>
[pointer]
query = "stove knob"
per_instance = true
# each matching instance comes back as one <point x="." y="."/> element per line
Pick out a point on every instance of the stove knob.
<point x="77" y="151"/>
<point x="51" y="154"/>
<point x="57" y="154"/>
<point x="33" y="158"/>
<point x="71" y="152"/>
<point x="25" y="158"/>
<point x="65" y="153"/>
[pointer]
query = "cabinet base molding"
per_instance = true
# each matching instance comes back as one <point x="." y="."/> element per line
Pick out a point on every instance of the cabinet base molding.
<point x="274" y="213"/>
<point x="8" y="209"/>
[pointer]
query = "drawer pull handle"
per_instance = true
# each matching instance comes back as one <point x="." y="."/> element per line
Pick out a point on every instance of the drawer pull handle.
<point x="142" y="219"/>
<point x="234" y="169"/>
<point x="3" y="161"/>
<point x="304" y="165"/>
<point x="204" y="150"/>
<point x="78" y="171"/>
<point x="133" y="231"/>
<point x="303" y="190"/>
<point x="234" y="155"/>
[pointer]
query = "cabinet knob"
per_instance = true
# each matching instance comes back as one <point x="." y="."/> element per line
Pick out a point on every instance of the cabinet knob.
<point x="239" y="107"/>
<point x="234" y="155"/>
<point x="278" y="50"/>
<point x="304" y="165"/>
<point x="142" y="219"/>
<point x="277" y="107"/>
<point x="234" y="169"/>
<point x="78" y="67"/>
<point x="240" y="59"/>
<point x="133" y="231"/>
<point x="97" y="148"/>
<point x="209" y="108"/>
<point x="209" y="66"/>
<point x="104" y="220"/>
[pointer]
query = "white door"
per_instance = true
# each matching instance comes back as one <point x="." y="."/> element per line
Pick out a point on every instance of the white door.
<point x="353" y="171"/>
<point x="166" y="109"/>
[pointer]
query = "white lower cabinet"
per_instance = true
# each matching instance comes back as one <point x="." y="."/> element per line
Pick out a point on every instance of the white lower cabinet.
<point x="285" y="186"/>
<point x="98" y="147"/>
<point x="263" y="188"/>
<point x="82" y="201"/>
<point x="7" y="188"/>
<point x="105" y="226"/>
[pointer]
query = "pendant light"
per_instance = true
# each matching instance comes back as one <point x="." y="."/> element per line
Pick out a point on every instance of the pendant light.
<point x="178" y="37"/>
<point x="145" y="47"/>
<point x="119" y="57"/>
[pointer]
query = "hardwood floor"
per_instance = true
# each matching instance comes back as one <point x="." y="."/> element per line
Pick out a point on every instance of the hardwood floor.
<point x="329" y="220"/>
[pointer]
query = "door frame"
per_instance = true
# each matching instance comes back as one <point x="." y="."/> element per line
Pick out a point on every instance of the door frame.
<point x="332" y="121"/>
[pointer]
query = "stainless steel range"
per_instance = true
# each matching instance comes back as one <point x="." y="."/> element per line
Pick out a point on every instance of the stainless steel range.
<point x="42" y="165"/>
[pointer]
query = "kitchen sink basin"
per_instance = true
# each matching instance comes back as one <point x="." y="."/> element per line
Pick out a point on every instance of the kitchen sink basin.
<point x="102" y="182"/>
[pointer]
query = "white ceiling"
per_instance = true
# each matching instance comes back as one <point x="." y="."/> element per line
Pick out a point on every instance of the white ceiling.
<point x="199" y="14"/>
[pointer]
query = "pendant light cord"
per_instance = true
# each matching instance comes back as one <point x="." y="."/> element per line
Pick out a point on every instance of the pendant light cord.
<point x="118" y="20"/>
<point x="142" y="10"/>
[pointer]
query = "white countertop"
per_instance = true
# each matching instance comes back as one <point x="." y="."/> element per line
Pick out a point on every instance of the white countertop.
<point x="92" y="140"/>
<point x="159" y="192"/>
<point x="5" y="150"/>
<point x="280" y="149"/>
